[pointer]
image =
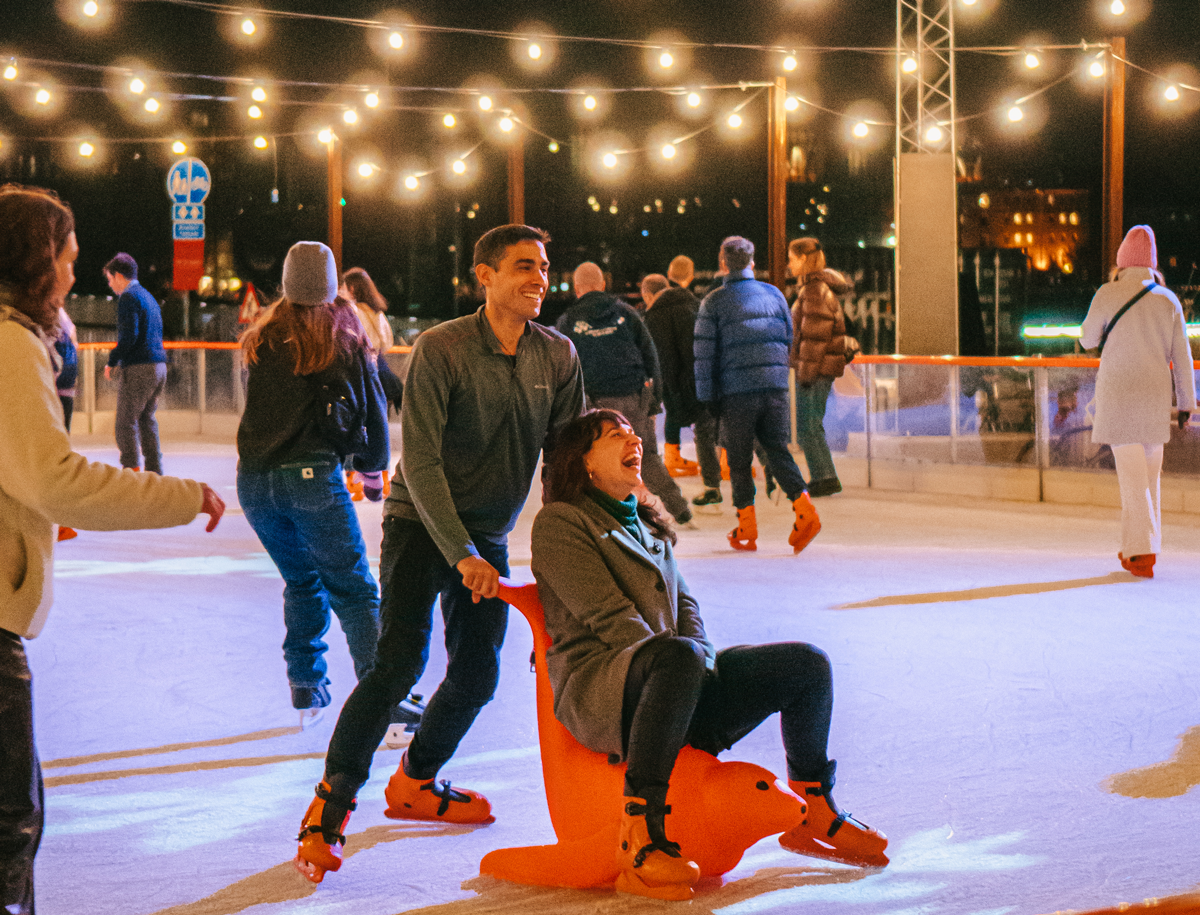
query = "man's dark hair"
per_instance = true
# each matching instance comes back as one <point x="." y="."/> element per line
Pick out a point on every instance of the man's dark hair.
<point x="738" y="252"/>
<point x="124" y="265"/>
<point x="491" y="247"/>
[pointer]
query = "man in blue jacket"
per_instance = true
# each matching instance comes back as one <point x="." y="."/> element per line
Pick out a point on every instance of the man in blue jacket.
<point x="141" y="364"/>
<point x="743" y="333"/>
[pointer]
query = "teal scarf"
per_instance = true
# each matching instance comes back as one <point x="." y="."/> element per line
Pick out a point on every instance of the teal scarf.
<point x="625" y="511"/>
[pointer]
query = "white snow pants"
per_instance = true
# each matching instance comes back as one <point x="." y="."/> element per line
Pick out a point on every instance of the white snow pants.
<point x="1139" y="472"/>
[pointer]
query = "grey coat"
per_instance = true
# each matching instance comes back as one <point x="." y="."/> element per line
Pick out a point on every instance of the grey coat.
<point x="604" y="594"/>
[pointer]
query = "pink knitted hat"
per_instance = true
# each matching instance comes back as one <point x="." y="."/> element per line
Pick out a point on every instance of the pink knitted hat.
<point x="1138" y="249"/>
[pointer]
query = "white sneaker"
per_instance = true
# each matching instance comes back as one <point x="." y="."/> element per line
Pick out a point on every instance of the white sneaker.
<point x="397" y="737"/>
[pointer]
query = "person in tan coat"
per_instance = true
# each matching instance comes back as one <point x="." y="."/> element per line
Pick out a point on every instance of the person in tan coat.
<point x="44" y="483"/>
<point x="819" y="355"/>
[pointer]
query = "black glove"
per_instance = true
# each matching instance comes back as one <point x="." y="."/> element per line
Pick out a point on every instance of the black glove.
<point x="372" y="485"/>
<point x="1184" y="416"/>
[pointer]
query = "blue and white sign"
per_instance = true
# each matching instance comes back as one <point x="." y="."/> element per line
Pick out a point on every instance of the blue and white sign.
<point x="188" y="181"/>
<point x="187" y="230"/>
<point x="184" y="212"/>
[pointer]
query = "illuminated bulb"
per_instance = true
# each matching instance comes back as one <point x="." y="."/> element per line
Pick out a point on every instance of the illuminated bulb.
<point x="261" y="142"/>
<point x="350" y="116"/>
<point x="1118" y="8"/>
<point x="1172" y="94"/>
<point x="735" y="121"/>
<point x="612" y="208"/>
<point x="1096" y="69"/>
<point x="254" y="111"/>
<point x="791" y="103"/>
<point x="1015" y="113"/>
<point x="42" y="97"/>
<point x="668" y="152"/>
<point x="91" y="9"/>
<point x="789" y="63"/>
<point x="968" y="2"/>
<point x="411" y="182"/>
<point x="506" y="124"/>
<point x="665" y="60"/>
<point x="371" y="100"/>
<point x="396" y="40"/>
<point x="1032" y="61"/>
<point x="86" y="149"/>
<point x="485" y="103"/>
<point x="366" y="170"/>
<point x="259" y="94"/>
<point x="325" y="136"/>
<point x="610" y="160"/>
<point x="693" y="99"/>
<point x="535" y="51"/>
<point x="10" y="72"/>
<point x="590" y="103"/>
<point x="861" y="129"/>
<point x="152" y="105"/>
<point x="136" y="86"/>
<point x="459" y="166"/>
<point x="553" y="147"/>
<point x="909" y="65"/>
<point x="449" y="121"/>
<point x="934" y="134"/>
<point x="179" y="147"/>
<point x="248" y="27"/>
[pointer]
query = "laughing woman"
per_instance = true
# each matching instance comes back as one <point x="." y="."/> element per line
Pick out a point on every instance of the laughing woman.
<point x="635" y="676"/>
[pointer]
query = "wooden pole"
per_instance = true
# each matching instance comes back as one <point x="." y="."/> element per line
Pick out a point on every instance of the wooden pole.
<point x="1112" y="222"/>
<point x="516" y="182"/>
<point x="777" y="183"/>
<point x="335" y="200"/>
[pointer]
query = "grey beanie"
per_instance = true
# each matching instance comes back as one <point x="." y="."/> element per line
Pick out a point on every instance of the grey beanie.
<point x="310" y="274"/>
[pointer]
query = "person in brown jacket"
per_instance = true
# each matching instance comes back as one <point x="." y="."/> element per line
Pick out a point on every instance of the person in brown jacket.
<point x="819" y="355"/>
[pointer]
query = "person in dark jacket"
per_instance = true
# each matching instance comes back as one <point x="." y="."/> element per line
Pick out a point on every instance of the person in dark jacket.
<point x="671" y="319"/>
<point x="141" y="365"/>
<point x="621" y="372"/>
<point x="290" y="477"/>
<point x="743" y="333"/>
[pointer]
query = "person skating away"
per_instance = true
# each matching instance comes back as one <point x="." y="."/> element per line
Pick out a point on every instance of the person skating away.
<point x="140" y="363"/>
<point x="743" y="333"/>
<point x="290" y="466"/>
<point x="671" y="319"/>
<point x="1138" y="324"/>
<point x="621" y="372"/>
<point x="818" y="354"/>
<point x="635" y="675"/>
<point x="44" y="483"/>
<point x="486" y="393"/>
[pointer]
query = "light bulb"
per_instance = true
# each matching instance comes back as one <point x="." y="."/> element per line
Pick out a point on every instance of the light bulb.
<point x="448" y="120"/>
<point x="371" y="100"/>
<point x="610" y="160"/>
<point x="152" y="105"/>
<point x="535" y="51"/>
<point x="934" y="134"/>
<point x="179" y="147"/>
<point x="791" y="103"/>
<point x="136" y="86"/>
<point x="1015" y="113"/>
<point x="1032" y="61"/>
<point x="909" y="65"/>
<point x="411" y="182"/>
<point x="248" y="27"/>
<point x="350" y="116"/>
<point x="861" y="129"/>
<point x="668" y="152"/>
<point x="459" y="166"/>
<point x="261" y="142"/>
<point x="366" y="170"/>
<point x="254" y="111"/>
<point x="42" y="97"/>
<point x="1096" y="70"/>
<point x="86" y="149"/>
<point x="485" y="103"/>
<point x="590" y="103"/>
<point x="789" y="63"/>
<point x="693" y="99"/>
<point x="1172" y="94"/>
<point x="325" y="136"/>
<point x="665" y="60"/>
<point x="735" y="120"/>
<point x="91" y="9"/>
<point x="553" y="146"/>
<point x="396" y="40"/>
<point x="1118" y="8"/>
<point x="506" y="124"/>
<point x="10" y="72"/>
<point x="259" y="94"/>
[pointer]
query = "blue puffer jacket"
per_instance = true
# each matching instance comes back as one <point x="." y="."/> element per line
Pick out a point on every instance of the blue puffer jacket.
<point x="743" y="333"/>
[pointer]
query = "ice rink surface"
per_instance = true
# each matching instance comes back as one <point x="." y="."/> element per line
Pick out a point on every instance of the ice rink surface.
<point x="1020" y="716"/>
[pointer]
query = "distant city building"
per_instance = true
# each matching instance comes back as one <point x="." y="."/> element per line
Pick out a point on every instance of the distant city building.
<point x="1050" y="226"/>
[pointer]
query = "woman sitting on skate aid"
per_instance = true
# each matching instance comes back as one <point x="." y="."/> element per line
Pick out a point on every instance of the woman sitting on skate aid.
<point x="635" y="676"/>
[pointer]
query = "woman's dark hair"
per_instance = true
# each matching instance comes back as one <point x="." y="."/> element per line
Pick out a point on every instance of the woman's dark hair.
<point x="363" y="288"/>
<point x="316" y="334"/>
<point x="566" y="467"/>
<point x="34" y="229"/>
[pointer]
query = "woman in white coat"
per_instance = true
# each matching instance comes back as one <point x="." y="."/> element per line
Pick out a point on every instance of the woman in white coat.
<point x="1144" y="347"/>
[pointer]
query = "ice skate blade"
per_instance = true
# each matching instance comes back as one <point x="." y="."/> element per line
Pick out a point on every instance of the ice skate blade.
<point x="397" y="737"/>
<point x="310" y="718"/>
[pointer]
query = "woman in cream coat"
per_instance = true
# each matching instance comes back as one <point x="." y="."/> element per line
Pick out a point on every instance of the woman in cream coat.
<point x="635" y="676"/>
<point x="44" y="483"/>
<point x="1146" y="350"/>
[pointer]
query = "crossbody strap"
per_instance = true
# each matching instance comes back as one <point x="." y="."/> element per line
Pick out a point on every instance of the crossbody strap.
<point x="1117" y="316"/>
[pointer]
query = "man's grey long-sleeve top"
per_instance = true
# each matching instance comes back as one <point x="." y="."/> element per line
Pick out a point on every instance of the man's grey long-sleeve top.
<point x="473" y="423"/>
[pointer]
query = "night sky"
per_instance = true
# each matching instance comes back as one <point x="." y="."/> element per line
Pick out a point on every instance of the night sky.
<point x="121" y="202"/>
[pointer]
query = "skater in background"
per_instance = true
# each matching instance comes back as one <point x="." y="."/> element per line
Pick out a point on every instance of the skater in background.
<point x="636" y="677"/>
<point x="290" y="479"/>
<point x="1138" y="324"/>
<point x="66" y="344"/>
<point x="819" y="353"/>
<point x="371" y="307"/>
<point x="44" y="483"/>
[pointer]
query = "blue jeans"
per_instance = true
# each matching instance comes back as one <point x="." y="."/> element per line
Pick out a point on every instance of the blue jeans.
<point x="810" y="428"/>
<point x="303" y="515"/>
<point x="761" y="415"/>
<point x="414" y="575"/>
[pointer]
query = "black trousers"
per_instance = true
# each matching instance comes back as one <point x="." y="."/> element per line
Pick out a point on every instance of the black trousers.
<point x="21" y="793"/>
<point x="672" y="700"/>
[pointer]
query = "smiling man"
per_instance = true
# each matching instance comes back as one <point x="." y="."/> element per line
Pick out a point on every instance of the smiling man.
<point x="485" y="394"/>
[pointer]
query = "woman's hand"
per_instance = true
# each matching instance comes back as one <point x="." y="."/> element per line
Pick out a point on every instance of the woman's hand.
<point x="213" y="506"/>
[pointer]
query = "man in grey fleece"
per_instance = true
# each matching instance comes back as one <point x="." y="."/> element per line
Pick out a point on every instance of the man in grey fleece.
<point x="485" y="394"/>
